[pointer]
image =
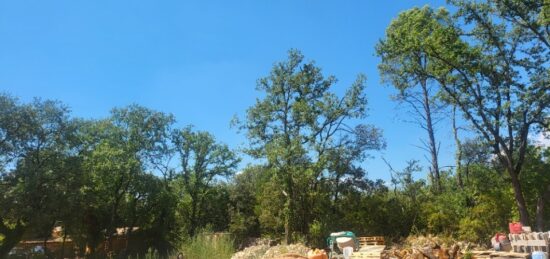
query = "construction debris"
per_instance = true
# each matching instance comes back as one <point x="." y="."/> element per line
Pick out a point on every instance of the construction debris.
<point x="251" y="252"/>
<point x="369" y="252"/>
<point x="425" y="247"/>
<point x="264" y="251"/>
<point x="281" y="251"/>
<point x="414" y="247"/>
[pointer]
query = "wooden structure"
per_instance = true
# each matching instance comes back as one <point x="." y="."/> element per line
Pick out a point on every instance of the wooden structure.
<point x="491" y="254"/>
<point x="371" y="241"/>
<point x="530" y="242"/>
<point x="369" y="252"/>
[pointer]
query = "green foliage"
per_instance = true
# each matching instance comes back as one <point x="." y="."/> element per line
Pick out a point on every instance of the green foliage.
<point x="209" y="245"/>
<point x="491" y="60"/>
<point x="299" y="129"/>
<point x="245" y="198"/>
<point x="408" y="68"/>
<point x="203" y="162"/>
<point x="36" y="166"/>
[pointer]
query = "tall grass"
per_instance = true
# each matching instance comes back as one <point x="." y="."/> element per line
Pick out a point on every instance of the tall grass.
<point x="208" y="245"/>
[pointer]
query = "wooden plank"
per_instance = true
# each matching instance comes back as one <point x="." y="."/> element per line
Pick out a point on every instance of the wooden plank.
<point x="369" y="252"/>
<point x="360" y="255"/>
<point x="497" y="254"/>
<point x="372" y="238"/>
<point x="373" y="244"/>
<point x="481" y="252"/>
<point x="379" y="248"/>
<point x="509" y="255"/>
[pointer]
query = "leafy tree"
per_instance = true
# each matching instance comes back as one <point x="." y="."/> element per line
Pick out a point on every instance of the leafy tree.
<point x="410" y="195"/>
<point x="148" y="135"/>
<point x="244" y="192"/>
<point x="407" y="66"/>
<point x="504" y="90"/>
<point x="203" y="162"/>
<point x="117" y="153"/>
<point x="112" y="169"/>
<point x="35" y="148"/>
<point x="475" y="152"/>
<point x="295" y="125"/>
<point x="492" y="61"/>
<point x="487" y="196"/>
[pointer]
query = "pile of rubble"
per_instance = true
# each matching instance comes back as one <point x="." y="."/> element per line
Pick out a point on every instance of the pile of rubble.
<point x="282" y="251"/>
<point x="263" y="250"/>
<point x="421" y="247"/>
<point x="251" y="252"/>
<point x="415" y="247"/>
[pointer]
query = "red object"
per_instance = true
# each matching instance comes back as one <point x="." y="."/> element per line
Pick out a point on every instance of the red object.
<point x="499" y="237"/>
<point x="515" y="227"/>
<point x="319" y="256"/>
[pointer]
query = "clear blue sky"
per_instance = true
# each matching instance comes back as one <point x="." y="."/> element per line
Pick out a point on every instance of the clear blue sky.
<point x="199" y="59"/>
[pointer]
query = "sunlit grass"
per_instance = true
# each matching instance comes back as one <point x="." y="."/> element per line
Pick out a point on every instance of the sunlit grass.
<point x="207" y="245"/>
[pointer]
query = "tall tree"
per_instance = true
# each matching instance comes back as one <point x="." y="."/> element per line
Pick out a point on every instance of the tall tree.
<point x="35" y="144"/>
<point x="492" y="59"/>
<point x="294" y="126"/>
<point x="407" y="68"/>
<point x="117" y="152"/>
<point x="147" y="133"/>
<point x="203" y="162"/>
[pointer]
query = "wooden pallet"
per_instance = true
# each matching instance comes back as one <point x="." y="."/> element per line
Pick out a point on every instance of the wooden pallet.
<point x="371" y="241"/>
<point x="481" y="254"/>
<point x="369" y="252"/>
<point x="491" y="254"/>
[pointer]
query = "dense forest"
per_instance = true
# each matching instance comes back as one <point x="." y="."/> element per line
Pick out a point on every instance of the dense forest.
<point x="481" y="72"/>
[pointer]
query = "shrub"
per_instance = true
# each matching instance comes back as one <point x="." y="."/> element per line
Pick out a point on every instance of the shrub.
<point x="209" y="245"/>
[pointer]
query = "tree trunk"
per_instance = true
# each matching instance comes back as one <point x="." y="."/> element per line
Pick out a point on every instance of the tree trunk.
<point x="544" y="197"/>
<point x="47" y="236"/>
<point x="432" y="146"/>
<point x="458" y="158"/>
<point x="518" y="195"/>
<point x="289" y="213"/>
<point x="62" y="253"/>
<point x="128" y="233"/>
<point x="193" y="226"/>
<point x="112" y="227"/>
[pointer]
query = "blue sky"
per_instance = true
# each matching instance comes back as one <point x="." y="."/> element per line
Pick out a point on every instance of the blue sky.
<point x="200" y="59"/>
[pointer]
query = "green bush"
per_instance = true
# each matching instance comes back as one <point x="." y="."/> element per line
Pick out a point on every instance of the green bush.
<point x="209" y="245"/>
